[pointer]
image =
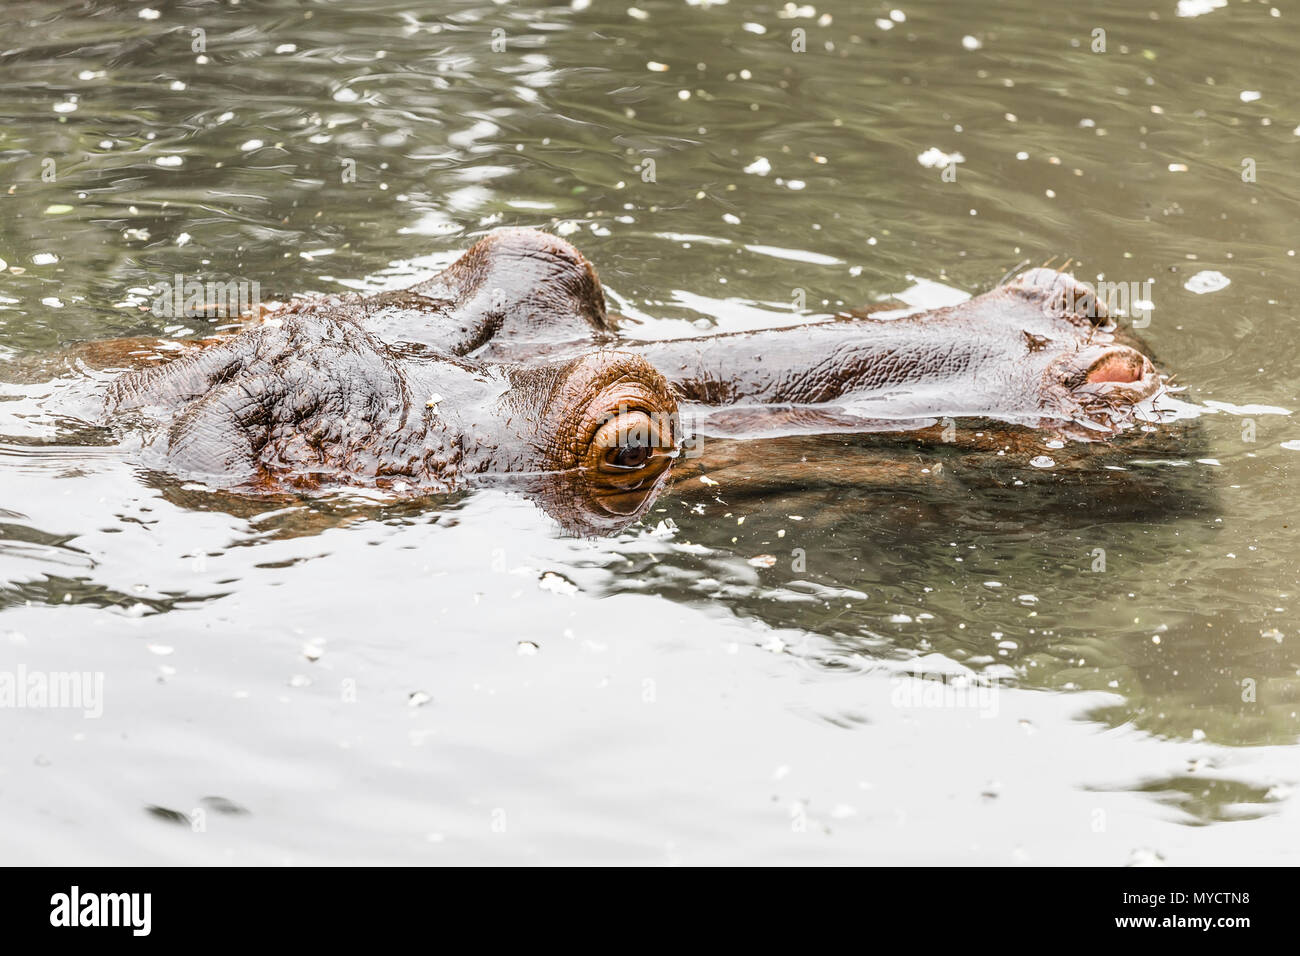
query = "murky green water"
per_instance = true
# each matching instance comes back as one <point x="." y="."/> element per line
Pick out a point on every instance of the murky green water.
<point x="345" y="680"/>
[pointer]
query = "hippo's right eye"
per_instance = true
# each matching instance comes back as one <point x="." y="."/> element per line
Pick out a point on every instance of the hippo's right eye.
<point x="629" y="456"/>
<point x="626" y="442"/>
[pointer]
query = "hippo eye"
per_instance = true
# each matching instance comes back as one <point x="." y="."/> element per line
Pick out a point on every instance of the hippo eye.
<point x="629" y="456"/>
<point x="627" y="443"/>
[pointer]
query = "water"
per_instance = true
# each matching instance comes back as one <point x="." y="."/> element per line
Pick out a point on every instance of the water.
<point x="1110" y="658"/>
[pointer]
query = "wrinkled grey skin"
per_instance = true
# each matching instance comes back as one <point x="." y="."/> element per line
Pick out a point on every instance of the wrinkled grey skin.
<point x="502" y="364"/>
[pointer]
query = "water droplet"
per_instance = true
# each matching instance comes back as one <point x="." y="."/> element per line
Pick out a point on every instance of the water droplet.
<point x="1205" y="281"/>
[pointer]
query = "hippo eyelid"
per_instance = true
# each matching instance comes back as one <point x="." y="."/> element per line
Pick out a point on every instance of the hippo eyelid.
<point x="652" y="456"/>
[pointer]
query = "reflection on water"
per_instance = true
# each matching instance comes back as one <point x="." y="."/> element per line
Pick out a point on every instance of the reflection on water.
<point x="716" y="681"/>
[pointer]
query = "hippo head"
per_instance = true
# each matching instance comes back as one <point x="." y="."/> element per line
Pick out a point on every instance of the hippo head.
<point x="1040" y="350"/>
<point x="1090" y="377"/>
<point x="459" y="380"/>
<point x="315" y="402"/>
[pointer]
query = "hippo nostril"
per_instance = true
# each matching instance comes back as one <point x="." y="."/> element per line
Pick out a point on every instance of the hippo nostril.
<point x="1062" y="295"/>
<point x="1109" y="377"/>
<point x="1118" y="365"/>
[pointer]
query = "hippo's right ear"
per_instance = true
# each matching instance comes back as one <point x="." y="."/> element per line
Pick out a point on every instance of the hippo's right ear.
<point x="516" y="287"/>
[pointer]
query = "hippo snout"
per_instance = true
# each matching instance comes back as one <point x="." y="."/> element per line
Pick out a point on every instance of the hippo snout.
<point x="1099" y="387"/>
<point x="1115" y="370"/>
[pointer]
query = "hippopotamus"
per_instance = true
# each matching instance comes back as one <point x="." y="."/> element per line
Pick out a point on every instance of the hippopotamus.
<point x="508" y="363"/>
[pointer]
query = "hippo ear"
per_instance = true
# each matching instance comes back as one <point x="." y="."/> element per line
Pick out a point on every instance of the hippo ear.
<point x="517" y="287"/>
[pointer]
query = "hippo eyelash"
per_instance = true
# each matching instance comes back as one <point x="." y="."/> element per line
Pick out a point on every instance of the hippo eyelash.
<point x="653" y="456"/>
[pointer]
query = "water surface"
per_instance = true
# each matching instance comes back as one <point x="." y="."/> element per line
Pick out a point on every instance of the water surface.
<point x="456" y="679"/>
